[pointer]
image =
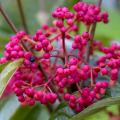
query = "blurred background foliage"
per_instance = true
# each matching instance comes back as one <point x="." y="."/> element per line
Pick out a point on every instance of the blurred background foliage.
<point x="36" y="12"/>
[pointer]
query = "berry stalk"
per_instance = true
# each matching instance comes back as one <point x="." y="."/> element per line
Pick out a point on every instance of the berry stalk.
<point x="23" y="19"/>
<point x="92" y="33"/>
<point x="64" y="48"/>
<point x="8" y="20"/>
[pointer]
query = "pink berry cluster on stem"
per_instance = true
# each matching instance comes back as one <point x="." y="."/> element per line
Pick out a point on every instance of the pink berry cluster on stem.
<point x="51" y="71"/>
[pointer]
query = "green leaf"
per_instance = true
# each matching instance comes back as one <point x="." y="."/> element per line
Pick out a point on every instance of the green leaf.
<point x="37" y="112"/>
<point x="23" y="112"/>
<point x="62" y="114"/>
<point x="98" y="106"/>
<point x="8" y="106"/>
<point x="59" y="115"/>
<point x="60" y="111"/>
<point x="10" y="109"/>
<point x="114" y="109"/>
<point x="115" y="90"/>
<point x="2" y="67"/>
<point x="7" y="73"/>
<point x="61" y="106"/>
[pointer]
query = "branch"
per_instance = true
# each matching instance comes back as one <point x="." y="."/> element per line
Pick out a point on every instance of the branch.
<point x="64" y="48"/>
<point x="22" y="15"/>
<point x="92" y="33"/>
<point x="8" y="20"/>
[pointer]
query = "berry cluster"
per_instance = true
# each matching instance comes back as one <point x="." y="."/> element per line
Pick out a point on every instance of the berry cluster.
<point x="51" y="72"/>
<point x="13" y="49"/>
<point x="62" y="13"/>
<point x="87" y="96"/>
<point x="80" y="41"/>
<point x="89" y="13"/>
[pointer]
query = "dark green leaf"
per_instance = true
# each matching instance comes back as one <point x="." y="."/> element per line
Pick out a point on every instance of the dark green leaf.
<point x="59" y="111"/>
<point x="10" y="109"/>
<point x="62" y="114"/>
<point x="37" y="112"/>
<point x="61" y="106"/>
<point x="26" y="112"/>
<point x="115" y="90"/>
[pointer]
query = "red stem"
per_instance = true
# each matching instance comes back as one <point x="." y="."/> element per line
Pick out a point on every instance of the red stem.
<point x="64" y="48"/>
<point x="67" y="30"/>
